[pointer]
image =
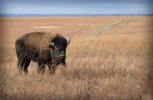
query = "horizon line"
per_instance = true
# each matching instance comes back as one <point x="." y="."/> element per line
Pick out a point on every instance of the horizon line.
<point x="69" y="15"/>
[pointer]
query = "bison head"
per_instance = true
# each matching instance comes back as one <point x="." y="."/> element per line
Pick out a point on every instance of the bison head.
<point x="59" y="45"/>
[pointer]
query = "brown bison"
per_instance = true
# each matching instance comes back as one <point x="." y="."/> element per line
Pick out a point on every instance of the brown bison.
<point x="41" y="47"/>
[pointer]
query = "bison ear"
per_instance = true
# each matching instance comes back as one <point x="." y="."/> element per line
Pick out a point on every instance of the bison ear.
<point x="51" y="45"/>
<point x="69" y="41"/>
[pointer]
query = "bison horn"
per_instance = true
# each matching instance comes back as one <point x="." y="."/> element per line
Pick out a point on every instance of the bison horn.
<point x="69" y="41"/>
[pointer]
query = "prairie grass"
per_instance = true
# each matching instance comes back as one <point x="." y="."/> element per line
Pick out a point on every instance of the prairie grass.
<point x="106" y="66"/>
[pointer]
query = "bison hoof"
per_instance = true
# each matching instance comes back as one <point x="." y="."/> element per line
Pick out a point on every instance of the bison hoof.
<point x="52" y="71"/>
<point x="25" y="72"/>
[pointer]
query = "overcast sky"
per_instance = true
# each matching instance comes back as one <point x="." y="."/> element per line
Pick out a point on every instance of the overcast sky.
<point x="76" y="7"/>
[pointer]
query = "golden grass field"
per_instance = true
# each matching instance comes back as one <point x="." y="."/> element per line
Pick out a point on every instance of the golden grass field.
<point x="109" y="58"/>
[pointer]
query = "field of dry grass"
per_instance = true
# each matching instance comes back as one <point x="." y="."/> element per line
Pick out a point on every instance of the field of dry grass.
<point x="108" y="59"/>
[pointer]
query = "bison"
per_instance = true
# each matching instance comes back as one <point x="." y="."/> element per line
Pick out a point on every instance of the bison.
<point x="42" y="47"/>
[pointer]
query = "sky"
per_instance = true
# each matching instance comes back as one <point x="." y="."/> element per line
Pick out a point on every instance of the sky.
<point x="43" y="7"/>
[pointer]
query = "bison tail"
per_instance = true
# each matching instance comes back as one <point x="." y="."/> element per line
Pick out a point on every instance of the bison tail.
<point x="20" y="47"/>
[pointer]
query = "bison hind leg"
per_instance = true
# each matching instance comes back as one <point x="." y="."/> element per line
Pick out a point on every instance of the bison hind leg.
<point x="23" y="64"/>
<point x="27" y="62"/>
<point x="19" y="67"/>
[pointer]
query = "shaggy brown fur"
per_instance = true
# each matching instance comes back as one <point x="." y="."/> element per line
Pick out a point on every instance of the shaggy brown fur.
<point x="39" y="40"/>
<point x="35" y="46"/>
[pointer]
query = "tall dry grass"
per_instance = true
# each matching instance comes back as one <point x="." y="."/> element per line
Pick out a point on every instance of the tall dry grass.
<point x="106" y="66"/>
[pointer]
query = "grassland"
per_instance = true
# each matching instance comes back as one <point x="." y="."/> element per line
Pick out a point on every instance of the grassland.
<point x="109" y="58"/>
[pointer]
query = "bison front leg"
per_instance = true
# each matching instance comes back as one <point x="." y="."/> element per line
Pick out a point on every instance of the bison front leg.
<point x="51" y="68"/>
<point x="41" y="69"/>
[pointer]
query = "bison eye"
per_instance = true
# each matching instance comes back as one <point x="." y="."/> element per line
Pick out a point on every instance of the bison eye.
<point x="51" y="45"/>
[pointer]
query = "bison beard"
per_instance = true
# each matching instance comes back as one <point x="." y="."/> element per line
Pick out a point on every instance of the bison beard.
<point x="54" y="63"/>
<point x="41" y="47"/>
